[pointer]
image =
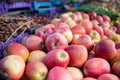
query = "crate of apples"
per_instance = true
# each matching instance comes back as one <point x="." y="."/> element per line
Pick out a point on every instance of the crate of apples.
<point x="75" y="46"/>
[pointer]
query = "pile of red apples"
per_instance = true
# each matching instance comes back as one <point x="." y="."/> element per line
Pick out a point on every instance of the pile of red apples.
<point x="75" y="46"/>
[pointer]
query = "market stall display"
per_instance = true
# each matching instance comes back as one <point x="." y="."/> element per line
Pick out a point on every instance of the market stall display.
<point x="80" y="44"/>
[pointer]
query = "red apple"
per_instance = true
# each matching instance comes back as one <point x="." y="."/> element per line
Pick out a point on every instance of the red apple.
<point x="75" y="38"/>
<point x="94" y="67"/>
<point x="78" y="55"/>
<point x="85" y="40"/>
<point x="25" y="38"/>
<point x="24" y="77"/>
<point x="52" y="26"/>
<point x="92" y="14"/>
<point x="62" y="25"/>
<point x="67" y="14"/>
<point x="71" y="23"/>
<point x="105" y="49"/>
<point x="36" y="70"/>
<point x="89" y="78"/>
<point x="34" y="42"/>
<point x="78" y="30"/>
<point x="44" y="31"/>
<point x="79" y="15"/>
<point x="85" y="15"/>
<point x="116" y="57"/>
<point x="117" y="45"/>
<point x="75" y="72"/>
<point x="99" y="30"/>
<point x="104" y="37"/>
<point x="95" y="23"/>
<point x="74" y="17"/>
<point x="87" y="24"/>
<point x="36" y="55"/>
<point x="56" y="41"/>
<point x="91" y="54"/>
<point x="55" y="21"/>
<point x="113" y="28"/>
<point x="59" y="73"/>
<point x="64" y="29"/>
<point x="95" y="36"/>
<point x="105" y="24"/>
<point x="108" y="76"/>
<point x="117" y="25"/>
<point x="13" y="66"/>
<point x="64" y="19"/>
<point x="18" y="49"/>
<point x="114" y="37"/>
<point x="116" y="68"/>
<point x="107" y="31"/>
<point x="56" y="57"/>
<point x="106" y="18"/>
<point x="99" y="19"/>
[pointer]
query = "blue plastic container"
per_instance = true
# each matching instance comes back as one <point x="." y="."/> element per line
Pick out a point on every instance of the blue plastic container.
<point x="1" y="8"/>
<point x="18" y="5"/>
<point x="57" y="2"/>
<point x="42" y="7"/>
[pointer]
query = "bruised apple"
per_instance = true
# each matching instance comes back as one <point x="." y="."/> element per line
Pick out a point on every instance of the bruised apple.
<point x="59" y="73"/>
<point x="18" y="49"/>
<point x="13" y="66"/>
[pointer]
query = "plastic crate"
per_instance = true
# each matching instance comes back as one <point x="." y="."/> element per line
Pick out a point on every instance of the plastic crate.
<point x="57" y="2"/>
<point x="42" y="7"/>
<point x="1" y="8"/>
<point x="18" y="5"/>
<point x="4" y="45"/>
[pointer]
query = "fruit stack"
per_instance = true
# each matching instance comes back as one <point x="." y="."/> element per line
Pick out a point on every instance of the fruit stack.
<point x="75" y="46"/>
